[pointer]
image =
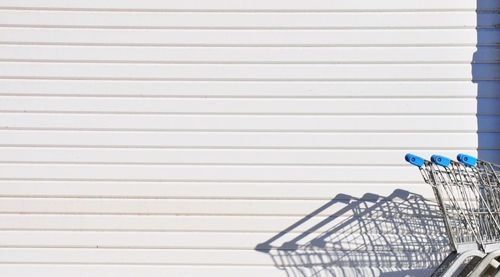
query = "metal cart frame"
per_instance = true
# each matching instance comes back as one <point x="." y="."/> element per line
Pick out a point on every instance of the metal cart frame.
<point x="468" y="194"/>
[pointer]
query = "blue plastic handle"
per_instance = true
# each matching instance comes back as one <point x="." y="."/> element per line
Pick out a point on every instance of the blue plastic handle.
<point x="414" y="160"/>
<point x="440" y="160"/>
<point x="466" y="159"/>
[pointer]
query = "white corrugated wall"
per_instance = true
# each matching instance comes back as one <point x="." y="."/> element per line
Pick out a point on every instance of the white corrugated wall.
<point x="236" y="138"/>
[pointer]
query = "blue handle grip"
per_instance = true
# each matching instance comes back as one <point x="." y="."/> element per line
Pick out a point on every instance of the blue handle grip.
<point x="414" y="160"/>
<point x="440" y="160"/>
<point x="466" y="159"/>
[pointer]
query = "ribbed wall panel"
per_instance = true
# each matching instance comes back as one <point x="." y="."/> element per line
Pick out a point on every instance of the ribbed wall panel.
<point x="236" y="138"/>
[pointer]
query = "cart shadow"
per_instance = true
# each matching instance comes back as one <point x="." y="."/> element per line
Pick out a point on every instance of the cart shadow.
<point x="402" y="234"/>
<point x="486" y="75"/>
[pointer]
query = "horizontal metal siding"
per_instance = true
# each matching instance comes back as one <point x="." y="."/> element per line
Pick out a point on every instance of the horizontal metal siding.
<point x="178" y="137"/>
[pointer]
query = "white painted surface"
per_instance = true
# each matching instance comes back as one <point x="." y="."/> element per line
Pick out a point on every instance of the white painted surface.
<point x="173" y="138"/>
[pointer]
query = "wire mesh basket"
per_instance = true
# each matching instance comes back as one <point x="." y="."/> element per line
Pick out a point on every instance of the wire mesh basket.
<point x="468" y="194"/>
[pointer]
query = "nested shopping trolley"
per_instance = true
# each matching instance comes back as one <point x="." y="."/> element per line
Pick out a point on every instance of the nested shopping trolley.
<point x="468" y="195"/>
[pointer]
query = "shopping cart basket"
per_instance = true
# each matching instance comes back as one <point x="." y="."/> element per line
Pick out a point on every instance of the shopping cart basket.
<point x="468" y="194"/>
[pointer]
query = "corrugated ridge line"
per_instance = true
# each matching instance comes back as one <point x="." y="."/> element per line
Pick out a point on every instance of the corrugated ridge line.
<point x="242" y="79"/>
<point x="157" y="266"/>
<point x="228" y="97"/>
<point x="4" y="162"/>
<point x="226" y="164"/>
<point x="249" y="55"/>
<point x="259" y="97"/>
<point x="248" y="45"/>
<point x="368" y="197"/>
<point x="246" y="23"/>
<point x="241" y="147"/>
<point x="292" y="218"/>
<point x="151" y="62"/>
<point x="195" y="11"/>
<point x="126" y="197"/>
<point x="202" y="180"/>
<point x="113" y="27"/>
<point x="350" y="131"/>
<point x="443" y="243"/>
<point x="71" y="44"/>
<point x="255" y="5"/>
<point x="270" y="232"/>
<point x="156" y="214"/>
<point x="177" y="265"/>
<point x="319" y="201"/>
<point x="367" y="63"/>
<point x="164" y="10"/>
<point x="256" y="114"/>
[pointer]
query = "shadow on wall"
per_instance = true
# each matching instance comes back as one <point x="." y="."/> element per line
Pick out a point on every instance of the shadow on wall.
<point x="486" y="74"/>
<point x="399" y="235"/>
<point x="402" y="234"/>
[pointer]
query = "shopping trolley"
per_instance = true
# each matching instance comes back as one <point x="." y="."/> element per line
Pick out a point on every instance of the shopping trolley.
<point x="468" y="194"/>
